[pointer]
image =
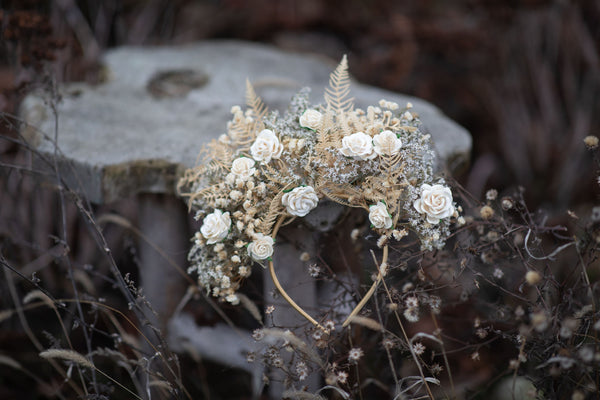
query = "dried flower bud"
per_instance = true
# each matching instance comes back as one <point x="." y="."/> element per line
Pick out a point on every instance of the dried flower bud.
<point x="491" y="194"/>
<point x="533" y="277"/>
<point x="486" y="212"/>
<point x="591" y="142"/>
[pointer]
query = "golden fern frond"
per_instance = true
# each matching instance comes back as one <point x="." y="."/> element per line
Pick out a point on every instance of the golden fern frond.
<point x="336" y="95"/>
<point x="324" y="133"/>
<point x="255" y="103"/>
<point x="389" y="163"/>
<point x="219" y="153"/>
<point x="278" y="175"/>
<point x="194" y="175"/>
<point x="344" y="194"/>
<point x="340" y="200"/>
<point x="241" y="133"/>
<point x="208" y="194"/>
<point x="275" y="209"/>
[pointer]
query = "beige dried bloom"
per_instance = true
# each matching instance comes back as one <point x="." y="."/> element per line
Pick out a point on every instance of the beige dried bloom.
<point x="379" y="216"/>
<point x="399" y="234"/>
<point x="355" y="354"/>
<point x="507" y="203"/>
<point x="533" y="277"/>
<point x="491" y="194"/>
<point x="591" y="141"/>
<point x="243" y="168"/>
<point x="486" y="212"/>
<point x="233" y="299"/>
<point x="435" y="202"/>
<point x="261" y="247"/>
<point x="301" y="370"/>
<point x="539" y="321"/>
<point x="418" y="348"/>
<point x="311" y="119"/>
<point x="386" y="143"/>
<point x="300" y="201"/>
<point x="412" y="314"/>
<point x="215" y="226"/>
<point x="266" y="146"/>
<point x="358" y="145"/>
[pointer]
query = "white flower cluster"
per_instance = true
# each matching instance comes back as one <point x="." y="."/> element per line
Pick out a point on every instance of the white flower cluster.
<point x="269" y="167"/>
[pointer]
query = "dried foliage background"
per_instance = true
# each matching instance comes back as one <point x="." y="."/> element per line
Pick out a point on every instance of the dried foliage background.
<point x="523" y="77"/>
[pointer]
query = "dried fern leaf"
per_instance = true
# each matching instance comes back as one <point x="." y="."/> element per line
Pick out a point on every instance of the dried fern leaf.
<point x="279" y="175"/>
<point x="346" y="196"/>
<point x="336" y="95"/>
<point x="275" y="210"/>
<point x="255" y="103"/>
<point x="241" y="133"/>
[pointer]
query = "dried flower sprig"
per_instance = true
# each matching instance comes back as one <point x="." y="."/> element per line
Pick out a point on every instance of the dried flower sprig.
<point x="268" y="169"/>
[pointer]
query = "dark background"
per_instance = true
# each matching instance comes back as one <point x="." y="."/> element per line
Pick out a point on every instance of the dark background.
<point x="522" y="77"/>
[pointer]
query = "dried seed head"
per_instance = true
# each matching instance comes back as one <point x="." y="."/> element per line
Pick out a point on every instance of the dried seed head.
<point x="533" y="277"/>
<point x="507" y="203"/>
<point x="491" y="194"/>
<point x="486" y="212"/>
<point x="591" y="142"/>
<point x="355" y="354"/>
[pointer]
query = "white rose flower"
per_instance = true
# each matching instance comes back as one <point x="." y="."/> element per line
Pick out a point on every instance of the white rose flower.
<point x="311" y="119"/>
<point x="243" y="168"/>
<point x="261" y="247"/>
<point x="386" y="143"/>
<point x="266" y="146"/>
<point x="215" y="226"/>
<point x="436" y="202"/>
<point x="379" y="216"/>
<point x="300" y="201"/>
<point x="359" y="145"/>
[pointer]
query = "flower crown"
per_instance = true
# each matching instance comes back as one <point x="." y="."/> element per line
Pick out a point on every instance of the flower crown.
<point x="268" y="169"/>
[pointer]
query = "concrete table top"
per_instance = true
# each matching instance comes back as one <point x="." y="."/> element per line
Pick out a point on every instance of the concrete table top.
<point x="137" y="131"/>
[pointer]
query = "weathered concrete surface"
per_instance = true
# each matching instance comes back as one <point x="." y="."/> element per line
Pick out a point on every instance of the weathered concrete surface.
<point x="138" y="131"/>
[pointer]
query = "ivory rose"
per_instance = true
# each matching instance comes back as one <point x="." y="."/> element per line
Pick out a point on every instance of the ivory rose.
<point x="266" y="146"/>
<point x="386" y="143"/>
<point x="435" y="202"/>
<point x="358" y="145"/>
<point x="311" y="119"/>
<point x="300" y="201"/>
<point x="261" y="247"/>
<point x="379" y="216"/>
<point x="215" y="226"/>
<point x="243" y="168"/>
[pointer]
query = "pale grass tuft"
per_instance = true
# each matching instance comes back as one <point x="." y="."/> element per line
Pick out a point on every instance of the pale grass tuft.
<point x="251" y="307"/>
<point x="366" y="322"/>
<point x="68" y="355"/>
<point x="38" y="294"/>
<point x="161" y="384"/>
<point x="5" y="360"/>
<point x="6" y="314"/>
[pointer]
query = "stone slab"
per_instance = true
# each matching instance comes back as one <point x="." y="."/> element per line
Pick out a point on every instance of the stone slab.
<point x="140" y="129"/>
